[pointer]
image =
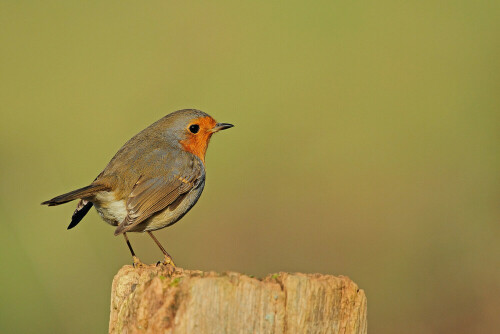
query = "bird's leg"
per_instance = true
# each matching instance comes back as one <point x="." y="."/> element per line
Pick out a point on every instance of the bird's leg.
<point x="137" y="262"/>
<point x="168" y="258"/>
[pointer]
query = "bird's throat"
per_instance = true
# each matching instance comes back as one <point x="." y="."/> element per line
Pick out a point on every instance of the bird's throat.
<point x="198" y="143"/>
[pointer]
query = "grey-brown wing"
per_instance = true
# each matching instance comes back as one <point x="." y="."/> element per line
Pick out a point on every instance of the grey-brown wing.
<point x="153" y="195"/>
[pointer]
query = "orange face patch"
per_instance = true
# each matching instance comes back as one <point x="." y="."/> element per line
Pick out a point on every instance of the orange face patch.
<point x="197" y="143"/>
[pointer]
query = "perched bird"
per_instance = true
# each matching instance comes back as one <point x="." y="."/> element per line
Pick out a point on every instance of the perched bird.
<point x="153" y="180"/>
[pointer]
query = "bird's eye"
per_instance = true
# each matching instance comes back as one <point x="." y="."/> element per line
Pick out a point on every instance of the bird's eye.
<point x="194" y="128"/>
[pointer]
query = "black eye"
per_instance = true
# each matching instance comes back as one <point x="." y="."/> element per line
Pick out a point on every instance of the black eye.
<point x="194" y="128"/>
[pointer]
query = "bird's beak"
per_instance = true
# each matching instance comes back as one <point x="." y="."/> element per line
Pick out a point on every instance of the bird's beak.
<point x="221" y="126"/>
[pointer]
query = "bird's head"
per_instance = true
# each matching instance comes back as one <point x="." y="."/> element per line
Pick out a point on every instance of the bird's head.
<point x="192" y="130"/>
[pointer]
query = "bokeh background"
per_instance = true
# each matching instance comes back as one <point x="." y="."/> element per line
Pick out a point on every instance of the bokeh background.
<point x="366" y="144"/>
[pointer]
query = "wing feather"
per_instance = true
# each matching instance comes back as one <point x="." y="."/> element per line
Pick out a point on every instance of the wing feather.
<point x="153" y="195"/>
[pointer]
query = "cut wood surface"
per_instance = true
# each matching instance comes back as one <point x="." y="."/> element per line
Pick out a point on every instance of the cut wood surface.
<point x="153" y="299"/>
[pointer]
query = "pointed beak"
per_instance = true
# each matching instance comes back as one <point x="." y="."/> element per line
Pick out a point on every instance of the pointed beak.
<point x="221" y="126"/>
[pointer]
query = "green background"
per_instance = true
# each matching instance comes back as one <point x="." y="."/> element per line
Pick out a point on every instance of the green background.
<point x="366" y="145"/>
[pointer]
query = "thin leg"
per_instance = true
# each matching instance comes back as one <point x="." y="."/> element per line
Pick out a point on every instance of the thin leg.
<point x="168" y="258"/>
<point x="137" y="262"/>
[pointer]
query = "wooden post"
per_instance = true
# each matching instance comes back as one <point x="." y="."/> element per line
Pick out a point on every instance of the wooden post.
<point x="153" y="299"/>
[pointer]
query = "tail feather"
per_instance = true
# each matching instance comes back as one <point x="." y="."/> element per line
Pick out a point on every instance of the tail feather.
<point x="81" y="210"/>
<point x="81" y="193"/>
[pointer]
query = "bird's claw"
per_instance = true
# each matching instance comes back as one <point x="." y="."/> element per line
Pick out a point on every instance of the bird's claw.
<point x="137" y="263"/>
<point x="167" y="266"/>
<point x="169" y="261"/>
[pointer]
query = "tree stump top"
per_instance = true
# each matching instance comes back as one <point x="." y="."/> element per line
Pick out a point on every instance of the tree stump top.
<point x="161" y="299"/>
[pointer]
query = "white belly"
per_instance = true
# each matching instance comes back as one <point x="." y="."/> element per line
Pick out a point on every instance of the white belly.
<point x="110" y="209"/>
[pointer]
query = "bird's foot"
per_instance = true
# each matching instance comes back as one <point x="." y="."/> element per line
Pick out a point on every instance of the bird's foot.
<point x="168" y="265"/>
<point x="137" y="263"/>
<point x="169" y="261"/>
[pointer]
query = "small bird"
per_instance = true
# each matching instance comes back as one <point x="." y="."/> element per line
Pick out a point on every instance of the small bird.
<point x="153" y="180"/>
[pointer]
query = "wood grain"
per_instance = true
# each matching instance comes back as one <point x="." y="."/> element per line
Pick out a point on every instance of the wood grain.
<point x="154" y="299"/>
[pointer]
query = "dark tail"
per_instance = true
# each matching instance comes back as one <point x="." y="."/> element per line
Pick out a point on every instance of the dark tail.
<point x="81" y="210"/>
<point x="82" y="193"/>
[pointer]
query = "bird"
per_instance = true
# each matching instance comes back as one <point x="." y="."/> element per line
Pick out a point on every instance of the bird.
<point x="153" y="180"/>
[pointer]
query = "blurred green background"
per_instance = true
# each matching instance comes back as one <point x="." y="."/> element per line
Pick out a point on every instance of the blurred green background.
<point x="366" y="145"/>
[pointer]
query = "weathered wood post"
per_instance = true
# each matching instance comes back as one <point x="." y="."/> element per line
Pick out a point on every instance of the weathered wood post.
<point x="151" y="299"/>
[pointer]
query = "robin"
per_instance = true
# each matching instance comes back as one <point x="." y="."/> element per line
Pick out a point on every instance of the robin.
<point x="153" y="180"/>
